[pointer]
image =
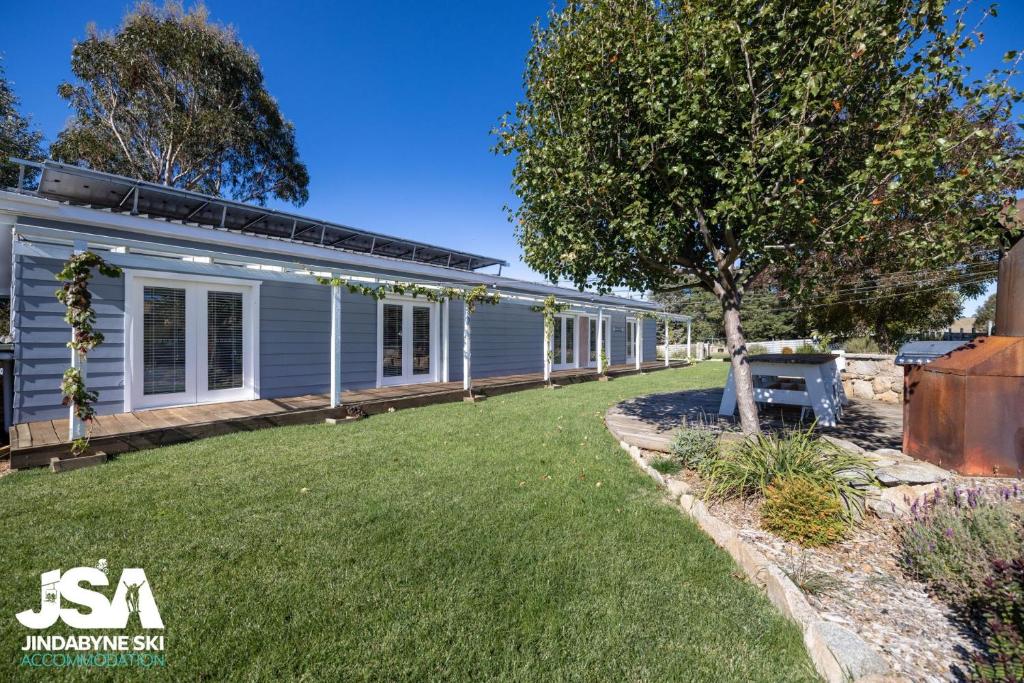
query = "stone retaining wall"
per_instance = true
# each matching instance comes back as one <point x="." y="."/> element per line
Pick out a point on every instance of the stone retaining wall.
<point x="874" y="377"/>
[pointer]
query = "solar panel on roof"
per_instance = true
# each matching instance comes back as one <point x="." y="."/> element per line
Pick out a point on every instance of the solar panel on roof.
<point x="95" y="189"/>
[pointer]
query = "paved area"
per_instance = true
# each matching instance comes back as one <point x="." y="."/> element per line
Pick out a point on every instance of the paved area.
<point x="649" y="421"/>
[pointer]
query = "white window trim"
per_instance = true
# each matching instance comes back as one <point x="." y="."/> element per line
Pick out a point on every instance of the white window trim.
<point x="631" y="340"/>
<point x="436" y="340"/>
<point x="133" y="321"/>
<point x="559" y="317"/>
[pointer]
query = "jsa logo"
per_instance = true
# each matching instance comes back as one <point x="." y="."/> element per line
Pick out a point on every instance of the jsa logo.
<point x="133" y="595"/>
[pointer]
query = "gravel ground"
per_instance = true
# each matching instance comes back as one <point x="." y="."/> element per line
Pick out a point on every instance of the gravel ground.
<point x="860" y="584"/>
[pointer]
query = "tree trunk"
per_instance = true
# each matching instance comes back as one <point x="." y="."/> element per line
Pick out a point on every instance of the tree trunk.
<point x="737" y="346"/>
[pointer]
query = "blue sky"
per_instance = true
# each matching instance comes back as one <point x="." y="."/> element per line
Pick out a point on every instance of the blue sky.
<point x="393" y="102"/>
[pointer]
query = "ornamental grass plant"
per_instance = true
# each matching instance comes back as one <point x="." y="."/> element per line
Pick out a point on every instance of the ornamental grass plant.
<point x="754" y="464"/>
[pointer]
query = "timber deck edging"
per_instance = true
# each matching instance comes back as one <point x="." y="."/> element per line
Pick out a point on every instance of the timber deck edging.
<point x="839" y="655"/>
<point x="155" y="437"/>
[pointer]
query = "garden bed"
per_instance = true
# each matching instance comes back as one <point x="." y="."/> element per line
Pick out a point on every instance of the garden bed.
<point x="860" y="582"/>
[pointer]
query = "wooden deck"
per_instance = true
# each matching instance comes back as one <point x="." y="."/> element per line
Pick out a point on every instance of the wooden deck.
<point x="34" y="443"/>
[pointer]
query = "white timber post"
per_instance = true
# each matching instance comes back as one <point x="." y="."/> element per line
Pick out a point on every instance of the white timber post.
<point x="335" y="346"/>
<point x="666" y="343"/>
<point x="445" y="334"/>
<point x="638" y="336"/>
<point x="467" y="380"/>
<point x="547" y="350"/>
<point x="689" y="326"/>
<point x="76" y="427"/>
<point x="600" y="341"/>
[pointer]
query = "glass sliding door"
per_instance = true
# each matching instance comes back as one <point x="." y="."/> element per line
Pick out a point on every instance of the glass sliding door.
<point x="407" y="334"/>
<point x="188" y="341"/>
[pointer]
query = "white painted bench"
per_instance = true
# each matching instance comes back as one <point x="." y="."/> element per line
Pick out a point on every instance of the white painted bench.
<point x="819" y="372"/>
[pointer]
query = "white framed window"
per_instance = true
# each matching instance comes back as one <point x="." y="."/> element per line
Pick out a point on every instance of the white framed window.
<point x="189" y="339"/>
<point x="408" y="343"/>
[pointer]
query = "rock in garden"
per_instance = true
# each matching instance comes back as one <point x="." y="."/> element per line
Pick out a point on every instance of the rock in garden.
<point x="887" y="457"/>
<point x="894" y="502"/>
<point x="844" y="444"/>
<point x="914" y="472"/>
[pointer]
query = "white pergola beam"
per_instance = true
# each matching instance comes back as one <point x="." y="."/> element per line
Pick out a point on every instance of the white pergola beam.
<point x="667" y="352"/>
<point x="76" y="427"/>
<point x="547" y="351"/>
<point x="638" y="352"/>
<point x="335" y="346"/>
<point x="445" y="342"/>
<point x="467" y="353"/>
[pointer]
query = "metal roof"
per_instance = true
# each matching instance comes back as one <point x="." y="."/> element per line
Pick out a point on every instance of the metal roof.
<point x="95" y="189"/>
<point x="924" y="352"/>
<point x="143" y="233"/>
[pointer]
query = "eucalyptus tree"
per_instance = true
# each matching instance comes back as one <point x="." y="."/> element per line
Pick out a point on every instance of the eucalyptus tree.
<point x="176" y="99"/>
<point x="17" y="137"/>
<point x="666" y="144"/>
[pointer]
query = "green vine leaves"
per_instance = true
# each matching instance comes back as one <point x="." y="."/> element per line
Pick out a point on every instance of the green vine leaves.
<point x="471" y="297"/>
<point x="80" y="315"/>
<point x="550" y="308"/>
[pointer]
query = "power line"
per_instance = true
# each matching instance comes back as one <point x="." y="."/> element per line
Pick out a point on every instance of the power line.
<point x="879" y="296"/>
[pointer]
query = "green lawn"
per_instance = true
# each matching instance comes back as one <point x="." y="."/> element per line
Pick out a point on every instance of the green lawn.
<point x="510" y="539"/>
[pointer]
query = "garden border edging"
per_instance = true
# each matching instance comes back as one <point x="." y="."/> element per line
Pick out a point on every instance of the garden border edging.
<point x="839" y="655"/>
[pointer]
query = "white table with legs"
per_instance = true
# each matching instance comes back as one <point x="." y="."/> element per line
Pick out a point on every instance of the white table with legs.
<point x="808" y="380"/>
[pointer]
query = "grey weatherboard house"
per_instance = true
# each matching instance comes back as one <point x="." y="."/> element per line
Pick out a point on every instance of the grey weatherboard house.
<point x="219" y="302"/>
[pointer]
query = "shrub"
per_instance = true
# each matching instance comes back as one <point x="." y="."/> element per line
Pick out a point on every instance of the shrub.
<point x="804" y="511"/>
<point x="667" y="465"/>
<point x="694" y="447"/>
<point x="755" y="349"/>
<point x="861" y="345"/>
<point x="953" y="539"/>
<point x="757" y="462"/>
<point x="1001" y="611"/>
<point x="808" y="348"/>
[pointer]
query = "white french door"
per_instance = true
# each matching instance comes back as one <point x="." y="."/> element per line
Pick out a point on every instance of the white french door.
<point x="189" y="340"/>
<point x="564" y="342"/>
<point x="407" y="342"/>
<point x="606" y="329"/>
<point x="630" y="340"/>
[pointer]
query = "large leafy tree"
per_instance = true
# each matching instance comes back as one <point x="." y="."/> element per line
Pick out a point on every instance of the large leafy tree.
<point x="17" y="138"/>
<point x="667" y="144"/>
<point x="176" y="99"/>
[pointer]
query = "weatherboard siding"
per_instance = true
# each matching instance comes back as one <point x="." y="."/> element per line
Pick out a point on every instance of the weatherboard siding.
<point x="294" y="336"/>
<point x="294" y="340"/>
<point x="40" y="334"/>
<point x="507" y="339"/>
<point x="650" y="340"/>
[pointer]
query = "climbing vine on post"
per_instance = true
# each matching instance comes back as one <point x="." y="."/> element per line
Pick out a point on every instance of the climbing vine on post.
<point x="80" y="315"/>
<point x="471" y="297"/>
<point x="550" y="308"/>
